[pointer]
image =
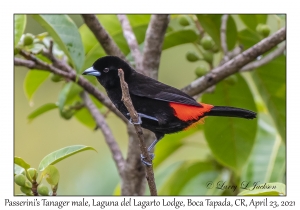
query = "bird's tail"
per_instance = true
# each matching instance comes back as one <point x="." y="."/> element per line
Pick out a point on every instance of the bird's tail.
<point x="228" y="111"/>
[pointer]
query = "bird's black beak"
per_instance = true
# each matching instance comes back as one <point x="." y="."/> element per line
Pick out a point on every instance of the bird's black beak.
<point x="91" y="71"/>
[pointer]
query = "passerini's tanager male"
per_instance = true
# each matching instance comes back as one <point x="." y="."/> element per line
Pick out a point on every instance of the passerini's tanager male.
<point x="162" y="109"/>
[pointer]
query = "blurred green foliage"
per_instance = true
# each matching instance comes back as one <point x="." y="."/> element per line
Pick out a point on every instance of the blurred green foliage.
<point x="224" y="150"/>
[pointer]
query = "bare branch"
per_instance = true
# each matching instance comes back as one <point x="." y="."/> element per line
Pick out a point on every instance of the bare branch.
<point x="34" y="187"/>
<point x="132" y="42"/>
<point x="134" y="116"/>
<point x="226" y="54"/>
<point x="51" y="48"/>
<point x="231" y="54"/>
<point x="234" y="52"/>
<point x="266" y="59"/>
<point x="34" y="63"/>
<point x="102" y="36"/>
<point x="153" y="43"/>
<point x="235" y="64"/>
<point x="198" y="26"/>
<point x="134" y="172"/>
<point x="29" y="64"/>
<point x="56" y="62"/>
<point x="134" y="182"/>
<point x="223" y="37"/>
<point x="43" y="65"/>
<point x="109" y="138"/>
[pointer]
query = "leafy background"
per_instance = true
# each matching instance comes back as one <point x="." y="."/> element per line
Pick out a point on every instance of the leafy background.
<point x="223" y="149"/>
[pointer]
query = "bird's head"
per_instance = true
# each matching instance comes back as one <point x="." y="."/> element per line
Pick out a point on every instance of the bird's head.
<point x="105" y="69"/>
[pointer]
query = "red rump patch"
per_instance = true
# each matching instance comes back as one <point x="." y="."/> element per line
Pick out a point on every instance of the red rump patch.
<point x="188" y="112"/>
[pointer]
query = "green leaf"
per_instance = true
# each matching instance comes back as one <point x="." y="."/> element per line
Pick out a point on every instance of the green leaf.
<point x="140" y="25"/>
<point x="262" y="160"/>
<point x="276" y="188"/>
<point x="212" y="25"/>
<point x="270" y="80"/>
<point x="62" y="154"/>
<point x="85" y="117"/>
<point x="52" y="175"/>
<point x="248" y="38"/>
<point x="207" y="183"/>
<point x="65" y="33"/>
<point x="20" y="162"/>
<point x="69" y="97"/>
<point x="41" y="110"/>
<point x="138" y="20"/>
<point x="93" y="50"/>
<point x="164" y="149"/>
<point x="261" y="18"/>
<point x="63" y="95"/>
<point x="35" y="48"/>
<point x="251" y="21"/>
<point x="162" y="174"/>
<point x="186" y="171"/>
<point x="33" y="80"/>
<point x="92" y="55"/>
<point x="88" y="38"/>
<point x="117" y="190"/>
<point x="18" y="169"/>
<point x="73" y="93"/>
<point x="278" y="172"/>
<point x="112" y="26"/>
<point x="175" y="38"/>
<point x="231" y="139"/>
<point x="175" y="23"/>
<point x="231" y="33"/>
<point x="20" y="24"/>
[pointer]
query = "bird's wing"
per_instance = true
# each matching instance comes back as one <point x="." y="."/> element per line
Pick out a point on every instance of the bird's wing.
<point x="143" y="86"/>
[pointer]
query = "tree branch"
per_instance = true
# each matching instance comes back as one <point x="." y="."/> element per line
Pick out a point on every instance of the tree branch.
<point x="134" y="171"/>
<point x="51" y="47"/>
<point x="134" y="181"/>
<point x="198" y="26"/>
<point x="153" y="43"/>
<point x="34" y="63"/>
<point x="109" y="138"/>
<point x="134" y="116"/>
<point x="43" y="65"/>
<point x="266" y="59"/>
<point x="223" y="37"/>
<point x="131" y="41"/>
<point x="235" y="64"/>
<point x="56" y="62"/>
<point x="102" y="36"/>
<point x="234" y="52"/>
<point x="29" y="64"/>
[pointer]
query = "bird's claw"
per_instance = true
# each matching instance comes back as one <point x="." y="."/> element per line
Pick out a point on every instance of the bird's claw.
<point x="144" y="161"/>
<point x="135" y="123"/>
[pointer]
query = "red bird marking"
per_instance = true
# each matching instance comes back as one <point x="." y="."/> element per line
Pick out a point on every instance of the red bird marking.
<point x="187" y="112"/>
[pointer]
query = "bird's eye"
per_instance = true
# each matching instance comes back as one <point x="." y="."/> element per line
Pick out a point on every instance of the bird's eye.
<point x="106" y="70"/>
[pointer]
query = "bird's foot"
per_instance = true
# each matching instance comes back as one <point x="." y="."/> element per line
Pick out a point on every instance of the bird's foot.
<point x="137" y="123"/>
<point x="144" y="161"/>
<point x="140" y="115"/>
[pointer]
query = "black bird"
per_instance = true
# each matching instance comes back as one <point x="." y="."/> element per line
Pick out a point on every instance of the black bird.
<point x="162" y="109"/>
